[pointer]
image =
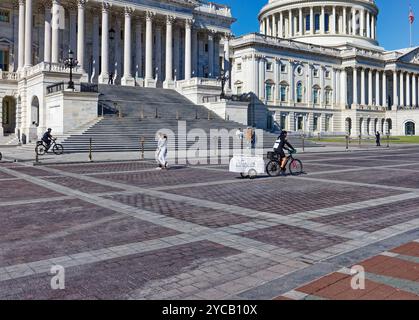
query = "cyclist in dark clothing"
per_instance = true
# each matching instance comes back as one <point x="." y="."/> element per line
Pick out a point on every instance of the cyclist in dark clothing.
<point x="47" y="138"/>
<point x="282" y="144"/>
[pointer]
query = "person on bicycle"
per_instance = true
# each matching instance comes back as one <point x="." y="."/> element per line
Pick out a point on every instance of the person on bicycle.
<point x="47" y="139"/>
<point x="282" y="144"/>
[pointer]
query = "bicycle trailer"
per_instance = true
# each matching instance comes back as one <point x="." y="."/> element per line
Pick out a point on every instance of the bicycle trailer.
<point x="247" y="166"/>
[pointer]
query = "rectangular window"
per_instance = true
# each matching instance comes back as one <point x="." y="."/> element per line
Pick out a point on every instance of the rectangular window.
<point x="308" y="22"/>
<point x="269" y="66"/>
<point x="206" y="47"/>
<point x="283" y="122"/>
<point x="239" y="90"/>
<point x="4" y="16"/>
<point x="326" y="22"/>
<point x="316" y="73"/>
<point x="283" y="68"/>
<point x="316" y="124"/>
<point x="327" y="74"/>
<point x="4" y="60"/>
<point x="239" y="67"/>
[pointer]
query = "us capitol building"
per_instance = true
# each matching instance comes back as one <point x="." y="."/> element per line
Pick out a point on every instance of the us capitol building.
<point x="313" y="67"/>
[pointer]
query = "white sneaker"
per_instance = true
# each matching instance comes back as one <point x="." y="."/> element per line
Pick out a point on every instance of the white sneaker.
<point x="159" y="168"/>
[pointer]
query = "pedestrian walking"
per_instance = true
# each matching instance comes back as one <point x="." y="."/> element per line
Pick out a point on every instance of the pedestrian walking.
<point x="161" y="152"/>
<point x="378" y="139"/>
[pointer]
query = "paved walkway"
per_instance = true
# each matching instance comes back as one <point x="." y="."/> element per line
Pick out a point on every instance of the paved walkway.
<point x="123" y="230"/>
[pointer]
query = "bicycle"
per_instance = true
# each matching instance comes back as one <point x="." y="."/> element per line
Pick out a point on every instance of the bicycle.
<point x="42" y="148"/>
<point x="273" y="168"/>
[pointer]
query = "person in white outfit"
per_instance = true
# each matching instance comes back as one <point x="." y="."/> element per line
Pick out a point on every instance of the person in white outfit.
<point x="161" y="152"/>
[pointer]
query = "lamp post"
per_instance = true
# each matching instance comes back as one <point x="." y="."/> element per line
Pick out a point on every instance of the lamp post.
<point x="223" y="78"/>
<point x="71" y="63"/>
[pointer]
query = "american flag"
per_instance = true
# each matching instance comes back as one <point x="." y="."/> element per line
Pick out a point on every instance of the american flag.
<point x="411" y="16"/>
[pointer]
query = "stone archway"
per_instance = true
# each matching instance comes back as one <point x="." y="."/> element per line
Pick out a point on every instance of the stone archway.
<point x="8" y="111"/>
<point x="410" y="128"/>
<point x="348" y="126"/>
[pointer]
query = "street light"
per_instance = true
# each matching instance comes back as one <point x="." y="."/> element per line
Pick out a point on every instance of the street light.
<point x="224" y="77"/>
<point x="71" y="63"/>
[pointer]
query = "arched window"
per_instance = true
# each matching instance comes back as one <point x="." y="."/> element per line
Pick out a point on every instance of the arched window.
<point x="410" y="128"/>
<point x="299" y="92"/>
<point x="308" y="22"/>
<point x="269" y="90"/>
<point x="317" y="22"/>
<point x="283" y="91"/>
<point x="326" y="22"/>
<point x="35" y="111"/>
<point x="316" y="95"/>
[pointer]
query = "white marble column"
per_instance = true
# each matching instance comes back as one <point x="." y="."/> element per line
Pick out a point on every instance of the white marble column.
<point x="55" y="36"/>
<point x="355" y="86"/>
<point x="408" y="89"/>
<point x="377" y="88"/>
<point x="395" y="94"/>
<point x="138" y="50"/>
<point x="169" y="52"/>
<point x="274" y="26"/>
<point x="281" y="25"/>
<point x="227" y="67"/>
<point x="127" y="79"/>
<point x="195" y="54"/>
<point x="21" y="49"/>
<point x="311" y="21"/>
<point x="47" y="34"/>
<point x="368" y="24"/>
<point x="95" y="46"/>
<point x="290" y="31"/>
<point x="300" y="22"/>
<point x="369" y="87"/>
<point x="149" y="47"/>
<point x="343" y="88"/>
<point x="345" y="21"/>
<point x="28" y="33"/>
<point x="362" y="22"/>
<point x="158" y="52"/>
<point x="104" y="75"/>
<point x="211" y="36"/>
<point x="402" y="102"/>
<point x="188" y="49"/>
<point x="322" y="26"/>
<point x="414" y="90"/>
<point x="384" y="85"/>
<point x="333" y="24"/>
<point x="80" y="34"/>
<point x="373" y="30"/>
<point x="363" y="100"/>
<point x="353" y="22"/>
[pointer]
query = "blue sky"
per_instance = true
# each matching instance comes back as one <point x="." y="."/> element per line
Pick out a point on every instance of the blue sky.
<point x="393" y="23"/>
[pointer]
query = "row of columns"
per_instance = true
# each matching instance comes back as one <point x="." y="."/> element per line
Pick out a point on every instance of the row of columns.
<point x="404" y="94"/>
<point x="52" y="50"/>
<point x="286" y="23"/>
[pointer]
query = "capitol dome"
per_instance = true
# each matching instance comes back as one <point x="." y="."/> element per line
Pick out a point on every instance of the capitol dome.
<point x="327" y="22"/>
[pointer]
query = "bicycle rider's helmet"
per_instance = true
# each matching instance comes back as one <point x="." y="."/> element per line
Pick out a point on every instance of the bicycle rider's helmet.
<point x="283" y="133"/>
<point x="49" y="129"/>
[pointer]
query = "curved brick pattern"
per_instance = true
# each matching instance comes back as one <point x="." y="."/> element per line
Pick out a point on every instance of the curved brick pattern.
<point x="283" y="196"/>
<point x="115" y="278"/>
<point x="375" y="218"/>
<point x="203" y="216"/>
<point x="380" y="177"/>
<point x="167" y="178"/>
<point x="82" y="185"/>
<point x="23" y="190"/>
<point x="41" y="231"/>
<point x="298" y="239"/>
<point x="105" y="167"/>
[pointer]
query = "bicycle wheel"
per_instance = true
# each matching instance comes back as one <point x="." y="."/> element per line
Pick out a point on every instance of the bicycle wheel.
<point x="296" y="167"/>
<point x="273" y="169"/>
<point x="58" y="149"/>
<point x="40" y="150"/>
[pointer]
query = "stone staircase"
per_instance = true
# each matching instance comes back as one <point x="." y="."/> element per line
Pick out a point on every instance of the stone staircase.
<point x="133" y="113"/>
<point x="9" y="141"/>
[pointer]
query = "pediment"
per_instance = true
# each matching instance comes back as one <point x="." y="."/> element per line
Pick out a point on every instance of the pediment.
<point x="410" y="57"/>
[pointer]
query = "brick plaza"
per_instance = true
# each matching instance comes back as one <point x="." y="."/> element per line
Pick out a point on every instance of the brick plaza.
<point x="123" y="230"/>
